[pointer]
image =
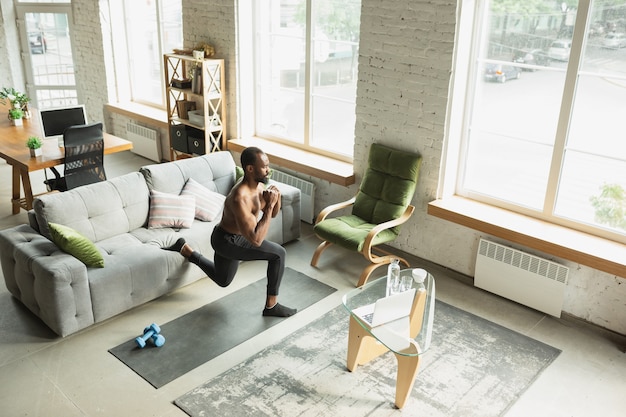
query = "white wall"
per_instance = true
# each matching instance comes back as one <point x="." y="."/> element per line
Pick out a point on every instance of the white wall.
<point x="213" y="22"/>
<point x="11" y="72"/>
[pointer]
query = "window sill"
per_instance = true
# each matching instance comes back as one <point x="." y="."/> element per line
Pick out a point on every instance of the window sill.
<point x="325" y="168"/>
<point x="592" y="251"/>
<point x="140" y="112"/>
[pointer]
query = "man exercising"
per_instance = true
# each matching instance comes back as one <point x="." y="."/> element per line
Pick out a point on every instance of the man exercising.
<point x="240" y="236"/>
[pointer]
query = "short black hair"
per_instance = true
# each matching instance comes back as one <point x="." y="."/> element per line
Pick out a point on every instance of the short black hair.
<point x="249" y="155"/>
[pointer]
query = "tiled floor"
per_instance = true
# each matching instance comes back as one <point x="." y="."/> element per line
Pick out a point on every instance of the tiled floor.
<point x="43" y="375"/>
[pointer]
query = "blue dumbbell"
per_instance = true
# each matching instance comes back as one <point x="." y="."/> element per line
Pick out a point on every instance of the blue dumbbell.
<point x="150" y="332"/>
<point x="158" y="340"/>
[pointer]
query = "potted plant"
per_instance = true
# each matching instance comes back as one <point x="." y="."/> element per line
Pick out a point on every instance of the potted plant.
<point x="34" y="144"/>
<point x="17" y="99"/>
<point x="15" y="115"/>
<point x="22" y="100"/>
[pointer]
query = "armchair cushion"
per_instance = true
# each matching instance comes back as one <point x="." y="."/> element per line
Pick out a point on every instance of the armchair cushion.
<point x="351" y="231"/>
<point x="387" y="186"/>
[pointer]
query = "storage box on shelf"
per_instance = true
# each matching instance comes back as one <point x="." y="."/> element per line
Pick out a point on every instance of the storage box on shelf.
<point x="196" y="108"/>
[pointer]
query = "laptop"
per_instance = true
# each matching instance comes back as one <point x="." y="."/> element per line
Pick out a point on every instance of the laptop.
<point x="387" y="309"/>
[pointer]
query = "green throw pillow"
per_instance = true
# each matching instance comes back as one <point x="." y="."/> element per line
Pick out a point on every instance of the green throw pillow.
<point x="77" y="245"/>
<point x="238" y="173"/>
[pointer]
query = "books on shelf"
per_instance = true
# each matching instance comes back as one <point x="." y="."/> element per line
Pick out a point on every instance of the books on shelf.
<point x="183" y="107"/>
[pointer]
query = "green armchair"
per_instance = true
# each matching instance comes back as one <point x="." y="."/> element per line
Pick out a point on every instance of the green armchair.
<point x="380" y="206"/>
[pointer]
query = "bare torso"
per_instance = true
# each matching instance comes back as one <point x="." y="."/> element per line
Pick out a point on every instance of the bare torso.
<point x="242" y="201"/>
<point x="248" y="199"/>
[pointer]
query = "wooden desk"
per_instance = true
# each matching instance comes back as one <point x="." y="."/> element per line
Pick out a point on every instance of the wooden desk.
<point x="13" y="149"/>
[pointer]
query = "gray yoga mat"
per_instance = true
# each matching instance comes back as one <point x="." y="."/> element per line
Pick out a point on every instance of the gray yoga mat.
<point x="209" y="331"/>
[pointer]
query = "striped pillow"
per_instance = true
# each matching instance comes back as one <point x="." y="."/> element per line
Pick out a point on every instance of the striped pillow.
<point x="170" y="210"/>
<point x="209" y="204"/>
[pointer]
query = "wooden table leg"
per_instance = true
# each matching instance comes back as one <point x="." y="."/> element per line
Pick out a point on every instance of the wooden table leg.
<point x="21" y="178"/>
<point x="16" y="192"/>
<point x="28" y="190"/>
<point x="407" y="370"/>
<point x="362" y="346"/>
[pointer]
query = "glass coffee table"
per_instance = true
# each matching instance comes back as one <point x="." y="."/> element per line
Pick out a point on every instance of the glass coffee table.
<point x="407" y="344"/>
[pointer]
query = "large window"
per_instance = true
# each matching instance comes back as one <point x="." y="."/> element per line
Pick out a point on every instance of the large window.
<point x="152" y="28"/>
<point x="544" y="119"/>
<point x="45" y="33"/>
<point x="305" y="58"/>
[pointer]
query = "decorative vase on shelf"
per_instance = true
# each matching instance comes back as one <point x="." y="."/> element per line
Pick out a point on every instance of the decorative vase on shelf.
<point x="196" y="82"/>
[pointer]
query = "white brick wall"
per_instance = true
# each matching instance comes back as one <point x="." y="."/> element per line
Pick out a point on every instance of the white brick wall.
<point x="213" y="22"/>
<point x="404" y="72"/>
<point x="11" y="72"/>
<point x="89" y="61"/>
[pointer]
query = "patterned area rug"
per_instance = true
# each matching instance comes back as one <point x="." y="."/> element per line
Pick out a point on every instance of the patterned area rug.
<point x="473" y="368"/>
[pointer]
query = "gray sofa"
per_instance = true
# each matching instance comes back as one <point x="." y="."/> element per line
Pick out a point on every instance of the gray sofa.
<point x="69" y="296"/>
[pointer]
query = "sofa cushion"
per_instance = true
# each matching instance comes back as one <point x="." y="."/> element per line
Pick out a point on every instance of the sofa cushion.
<point x="77" y="245"/>
<point x="97" y="211"/>
<point x="170" y="210"/>
<point x="215" y="171"/>
<point x="209" y="204"/>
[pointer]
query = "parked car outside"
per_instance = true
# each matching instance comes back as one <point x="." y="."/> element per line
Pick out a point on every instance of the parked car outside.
<point x="37" y="42"/>
<point x="614" y="40"/>
<point x="532" y="57"/>
<point x="501" y="73"/>
<point x="559" y="50"/>
<point x="596" y="29"/>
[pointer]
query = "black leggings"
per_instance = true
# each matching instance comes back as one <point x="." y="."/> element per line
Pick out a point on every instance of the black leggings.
<point x="230" y="249"/>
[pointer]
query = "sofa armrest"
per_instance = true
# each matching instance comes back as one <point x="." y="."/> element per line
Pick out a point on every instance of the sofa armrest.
<point x="32" y="220"/>
<point x="51" y="283"/>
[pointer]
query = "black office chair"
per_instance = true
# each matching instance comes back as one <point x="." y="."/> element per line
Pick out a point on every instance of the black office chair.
<point x="84" y="158"/>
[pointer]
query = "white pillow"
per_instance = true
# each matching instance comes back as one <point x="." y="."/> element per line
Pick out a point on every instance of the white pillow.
<point x="209" y="204"/>
<point x="170" y="210"/>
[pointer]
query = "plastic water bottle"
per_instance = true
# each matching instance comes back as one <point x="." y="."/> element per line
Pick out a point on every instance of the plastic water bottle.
<point x="393" y="277"/>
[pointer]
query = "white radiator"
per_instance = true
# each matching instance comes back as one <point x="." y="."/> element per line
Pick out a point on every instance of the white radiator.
<point x="307" y="193"/>
<point x="518" y="276"/>
<point x="145" y="141"/>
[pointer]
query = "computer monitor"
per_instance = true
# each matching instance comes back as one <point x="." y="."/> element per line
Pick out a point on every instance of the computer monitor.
<point x="54" y="121"/>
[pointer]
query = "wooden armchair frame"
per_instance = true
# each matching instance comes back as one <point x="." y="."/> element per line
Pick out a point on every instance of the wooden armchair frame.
<point x="382" y="258"/>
